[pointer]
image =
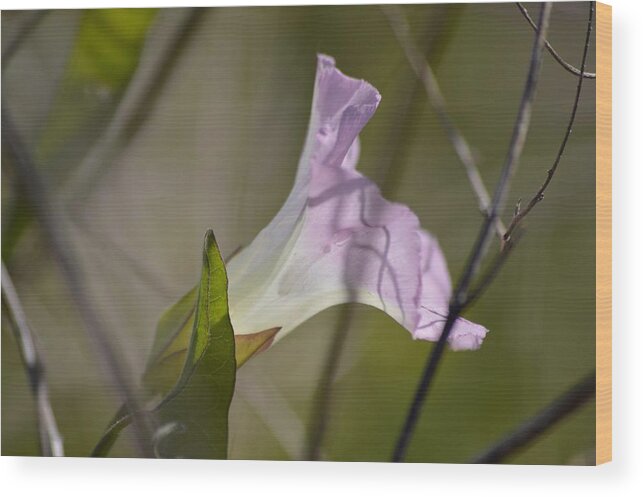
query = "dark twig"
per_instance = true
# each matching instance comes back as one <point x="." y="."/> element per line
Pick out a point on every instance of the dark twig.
<point x="530" y="430"/>
<point x="51" y="442"/>
<point x="567" y="66"/>
<point x="540" y="194"/>
<point x="425" y="74"/>
<point x="47" y="214"/>
<point x="459" y="299"/>
<point x="28" y="25"/>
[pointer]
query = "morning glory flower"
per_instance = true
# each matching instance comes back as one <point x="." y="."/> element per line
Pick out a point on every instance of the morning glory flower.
<point x="337" y="240"/>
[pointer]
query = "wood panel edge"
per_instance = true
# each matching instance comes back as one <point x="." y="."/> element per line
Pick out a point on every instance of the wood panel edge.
<point x="603" y="233"/>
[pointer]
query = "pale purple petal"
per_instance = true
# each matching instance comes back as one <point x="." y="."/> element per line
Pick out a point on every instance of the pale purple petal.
<point x="337" y="240"/>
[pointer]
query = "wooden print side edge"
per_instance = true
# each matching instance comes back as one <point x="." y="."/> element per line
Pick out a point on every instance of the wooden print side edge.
<point x="603" y="233"/>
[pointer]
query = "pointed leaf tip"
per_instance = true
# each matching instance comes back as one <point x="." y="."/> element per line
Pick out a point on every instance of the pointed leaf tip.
<point x="197" y="408"/>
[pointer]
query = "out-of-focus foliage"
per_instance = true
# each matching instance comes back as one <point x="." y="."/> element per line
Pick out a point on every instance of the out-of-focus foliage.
<point x="104" y="57"/>
<point x="220" y="148"/>
<point x="108" y="45"/>
<point x="105" y="54"/>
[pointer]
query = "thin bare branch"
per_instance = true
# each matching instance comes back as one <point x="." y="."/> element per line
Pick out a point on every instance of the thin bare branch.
<point x="520" y="214"/>
<point x="459" y="299"/>
<point x="530" y="430"/>
<point x="51" y="442"/>
<point x="425" y="74"/>
<point x="566" y="65"/>
<point x="48" y="216"/>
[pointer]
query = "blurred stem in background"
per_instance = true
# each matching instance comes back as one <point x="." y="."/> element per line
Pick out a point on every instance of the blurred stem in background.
<point x="160" y="54"/>
<point x="390" y="172"/>
<point x="19" y="208"/>
<point x="31" y="22"/>
<point x="426" y="76"/>
<point x="432" y="46"/>
<point x="144" y="82"/>
<point x="103" y="53"/>
<point x="51" y="224"/>
<point x="51" y="442"/>
<point x="156" y="64"/>
<point x="527" y="432"/>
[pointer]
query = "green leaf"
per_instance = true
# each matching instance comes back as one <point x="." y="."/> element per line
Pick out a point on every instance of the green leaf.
<point x="192" y="368"/>
<point x="184" y="353"/>
<point x="194" y="416"/>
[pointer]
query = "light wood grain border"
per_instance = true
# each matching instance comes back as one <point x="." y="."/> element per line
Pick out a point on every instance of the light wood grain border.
<point x="603" y="233"/>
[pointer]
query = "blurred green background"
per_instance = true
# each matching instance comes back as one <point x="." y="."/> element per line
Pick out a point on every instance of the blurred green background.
<point x="153" y="125"/>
